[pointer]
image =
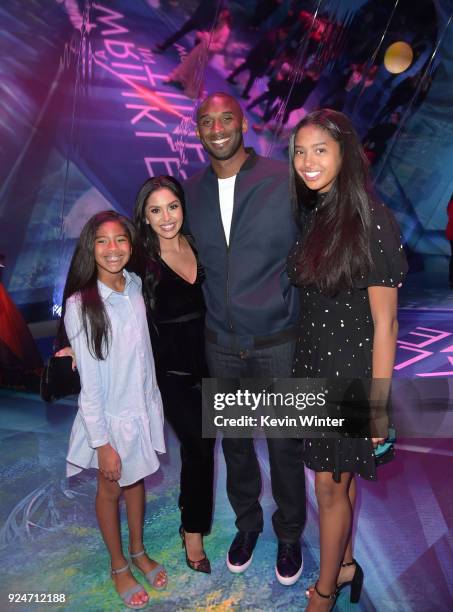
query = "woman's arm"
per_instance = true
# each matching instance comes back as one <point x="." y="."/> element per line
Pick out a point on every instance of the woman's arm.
<point x="383" y="304"/>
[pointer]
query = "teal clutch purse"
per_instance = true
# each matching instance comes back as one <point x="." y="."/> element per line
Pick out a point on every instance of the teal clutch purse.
<point x="385" y="451"/>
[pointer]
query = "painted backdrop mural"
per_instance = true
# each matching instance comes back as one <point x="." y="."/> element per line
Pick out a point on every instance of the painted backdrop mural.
<point x="90" y="108"/>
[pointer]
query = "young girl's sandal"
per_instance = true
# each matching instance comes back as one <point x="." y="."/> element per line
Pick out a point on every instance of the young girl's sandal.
<point x="151" y="576"/>
<point x="127" y="596"/>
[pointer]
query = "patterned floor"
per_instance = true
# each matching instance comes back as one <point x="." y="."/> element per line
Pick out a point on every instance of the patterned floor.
<point x="404" y="538"/>
<point x="49" y="539"/>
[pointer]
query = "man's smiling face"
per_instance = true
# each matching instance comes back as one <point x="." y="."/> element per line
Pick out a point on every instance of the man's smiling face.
<point x="220" y="127"/>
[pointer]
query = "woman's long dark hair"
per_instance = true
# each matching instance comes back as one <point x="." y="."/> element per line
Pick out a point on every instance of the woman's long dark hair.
<point x="148" y="242"/>
<point x="335" y="247"/>
<point x="82" y="278"/>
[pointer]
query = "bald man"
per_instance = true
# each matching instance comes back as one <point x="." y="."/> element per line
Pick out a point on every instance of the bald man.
<point x="238" y="210"/>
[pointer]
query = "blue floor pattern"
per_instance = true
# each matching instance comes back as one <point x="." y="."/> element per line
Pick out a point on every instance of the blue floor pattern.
<point x="50" y="539"/>
<point x="404" y="538"/>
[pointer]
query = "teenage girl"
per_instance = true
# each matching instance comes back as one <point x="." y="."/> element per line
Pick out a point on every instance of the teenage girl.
<point x="118" y="428"/>
<point x="348" y="263"/>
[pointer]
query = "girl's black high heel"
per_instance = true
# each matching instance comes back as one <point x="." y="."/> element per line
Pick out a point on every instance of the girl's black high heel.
<point x="197" y="566"/>
<point x="356" y="582"/>
<point x="332" y="597"/>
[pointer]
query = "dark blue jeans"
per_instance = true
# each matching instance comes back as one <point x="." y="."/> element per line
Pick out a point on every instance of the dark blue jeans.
<point x="285" y="455"/>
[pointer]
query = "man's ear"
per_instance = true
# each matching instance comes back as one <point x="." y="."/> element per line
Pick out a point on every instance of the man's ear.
<point x="197" y="132"/>
<point x="245" y="125"/>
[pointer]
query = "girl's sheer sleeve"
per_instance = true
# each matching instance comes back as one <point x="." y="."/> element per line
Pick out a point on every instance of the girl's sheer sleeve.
<point x="91" y="398"/>
<point x="388" y="259"/>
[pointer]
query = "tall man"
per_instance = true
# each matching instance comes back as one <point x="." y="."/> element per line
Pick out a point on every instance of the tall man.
<point x="238" y="210"/>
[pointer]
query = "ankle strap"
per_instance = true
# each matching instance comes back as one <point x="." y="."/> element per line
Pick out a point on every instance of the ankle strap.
<point x="135" y="555"/>
<point x="121" y="570"/>
<point x="332" y="596"/>
<point x="353" y="562"/>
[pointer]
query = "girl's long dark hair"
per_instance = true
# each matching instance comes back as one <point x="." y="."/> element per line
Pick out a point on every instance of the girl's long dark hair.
<point x="334" y="250"/>
<point x="147" y="241"/>
<point x="82" y="278"/>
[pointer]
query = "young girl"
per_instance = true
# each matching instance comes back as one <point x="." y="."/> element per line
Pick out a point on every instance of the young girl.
<point x="348" y="263"/>
<point x="119" y="425"/>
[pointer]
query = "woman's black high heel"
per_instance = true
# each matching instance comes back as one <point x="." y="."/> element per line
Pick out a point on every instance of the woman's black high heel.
<point x="356" y="582"/>
<point x="197" y="566"/>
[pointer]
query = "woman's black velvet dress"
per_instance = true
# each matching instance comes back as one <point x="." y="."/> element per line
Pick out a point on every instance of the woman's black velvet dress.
<point x="178" y="343"/>
<point x="336" y="339"/>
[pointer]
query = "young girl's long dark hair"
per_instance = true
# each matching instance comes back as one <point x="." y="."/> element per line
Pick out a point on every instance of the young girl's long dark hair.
<point x="147" y="240"/>
<point x="82" y="279"/>
<point x="335" y="247"/>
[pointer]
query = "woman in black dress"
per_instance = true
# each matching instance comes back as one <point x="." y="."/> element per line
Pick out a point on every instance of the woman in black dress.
<point x="172" y="279"/>
<point x="348" y="263"/>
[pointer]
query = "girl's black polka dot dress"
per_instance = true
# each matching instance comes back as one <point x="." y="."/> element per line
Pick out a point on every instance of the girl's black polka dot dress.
<point x="336" y="338"/>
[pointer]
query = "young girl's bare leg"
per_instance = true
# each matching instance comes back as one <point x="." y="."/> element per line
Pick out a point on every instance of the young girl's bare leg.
<point x="346" y="573"/>
<point x="134" y="496"/>
<point x="107" y="512"/>
<point x="335" y="520"/>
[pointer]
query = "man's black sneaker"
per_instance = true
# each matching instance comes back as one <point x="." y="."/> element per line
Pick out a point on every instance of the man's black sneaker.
<point x="240" y="554"/>
<point x="289" y="563"/>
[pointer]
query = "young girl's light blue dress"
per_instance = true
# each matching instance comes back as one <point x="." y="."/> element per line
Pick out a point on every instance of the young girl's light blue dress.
<point x="119" y="402"/>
